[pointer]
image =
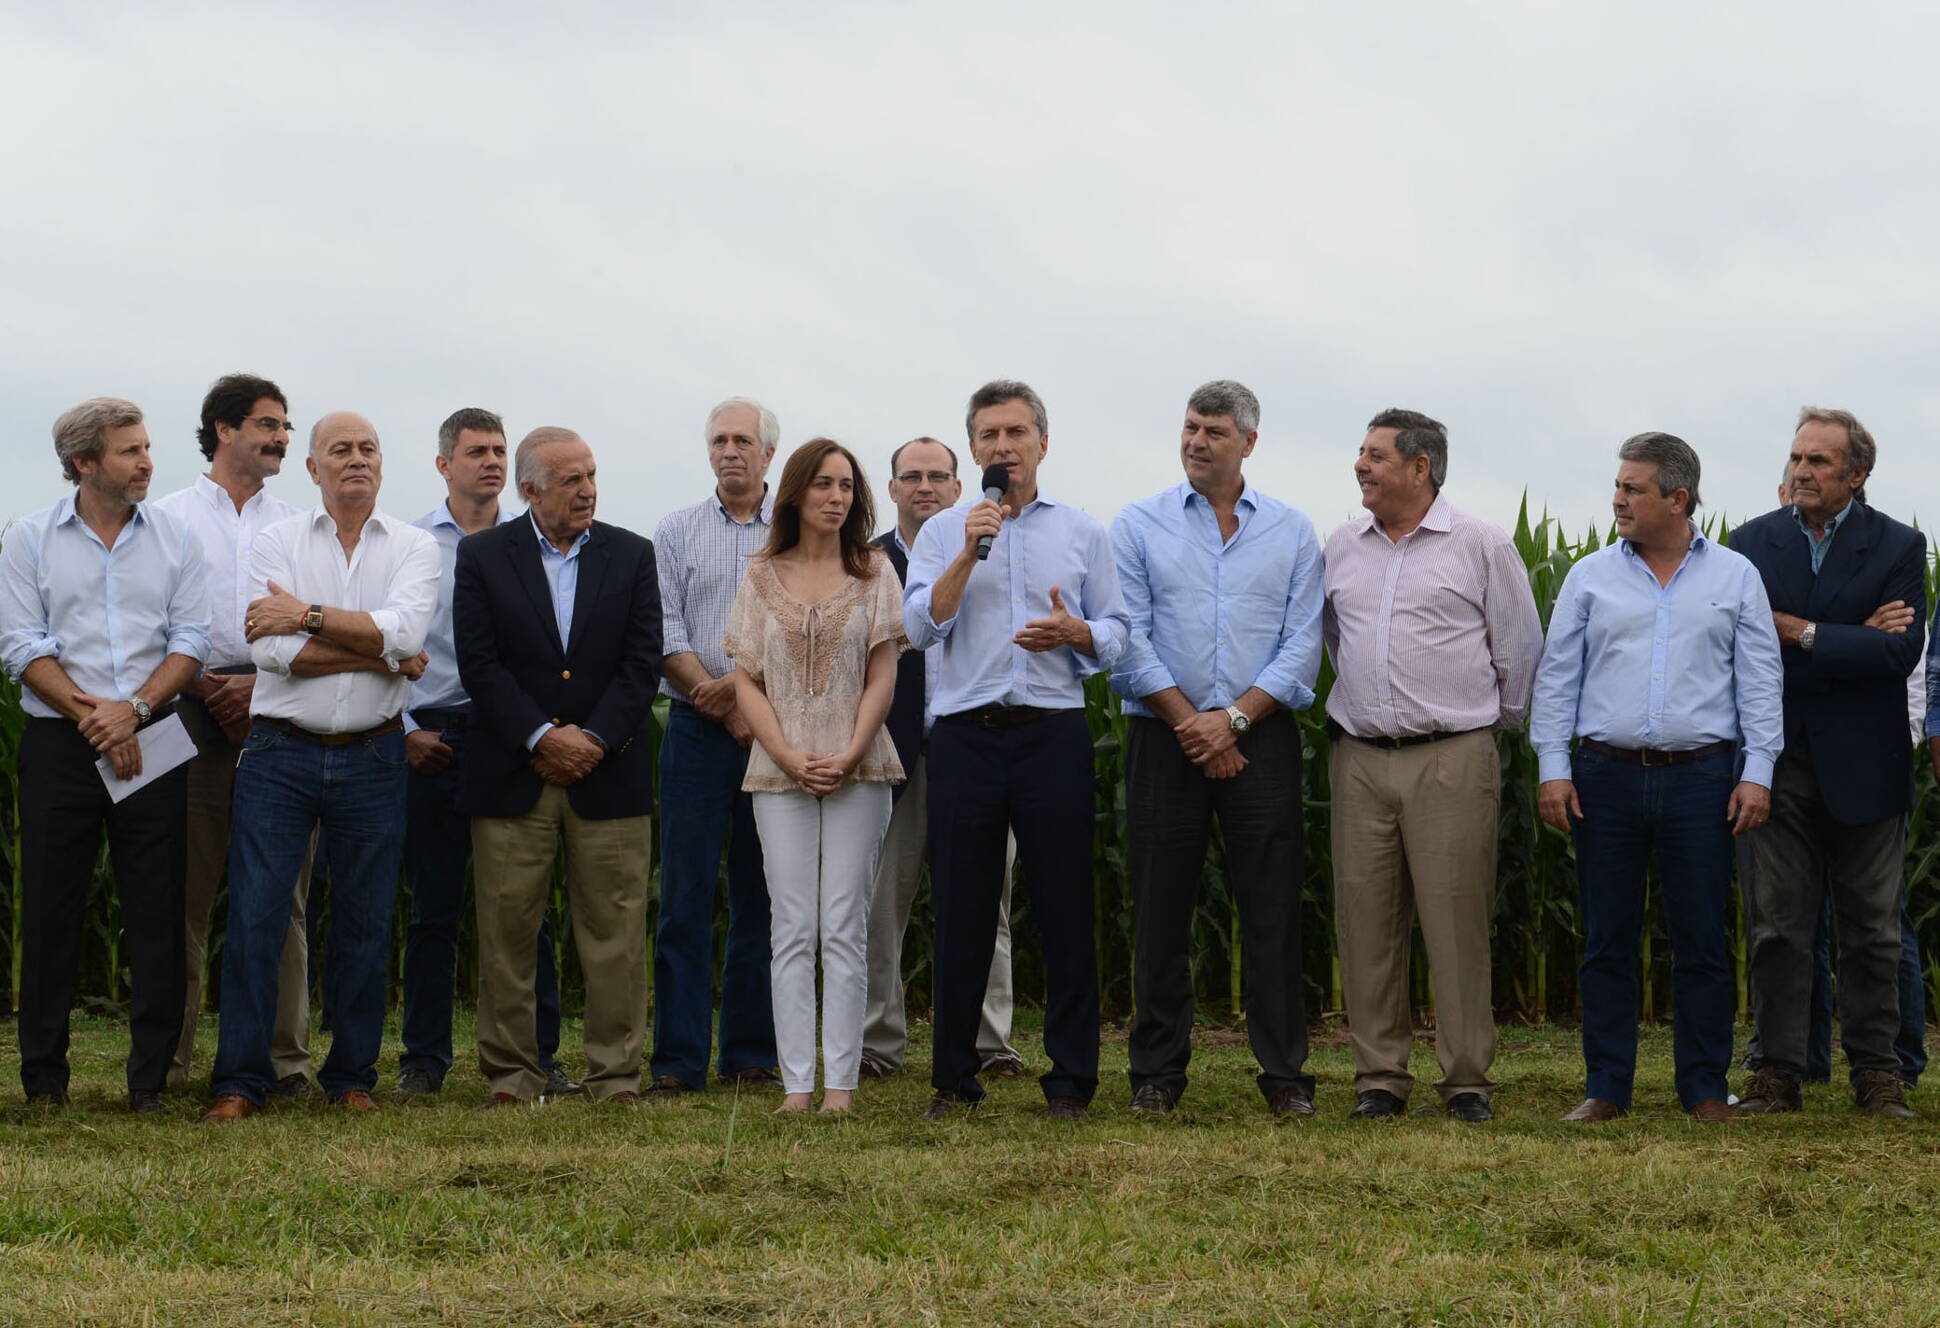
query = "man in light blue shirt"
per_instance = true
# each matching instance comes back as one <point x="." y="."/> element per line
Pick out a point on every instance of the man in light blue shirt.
<point x="1224" y="589"/>
<point x="471" y="460"/>
<point x="1018" y="632"/>
<point x="1662" y="660"/>
<point x="104" y="618"/>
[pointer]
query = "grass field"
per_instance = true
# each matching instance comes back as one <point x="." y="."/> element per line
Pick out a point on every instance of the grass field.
<point x="716" y="1211"/>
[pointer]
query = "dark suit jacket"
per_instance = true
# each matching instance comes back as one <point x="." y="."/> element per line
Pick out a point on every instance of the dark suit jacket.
<point x="1846" y="697"/>
<point x="905" y="722"/>
<point x="519" y="674"/>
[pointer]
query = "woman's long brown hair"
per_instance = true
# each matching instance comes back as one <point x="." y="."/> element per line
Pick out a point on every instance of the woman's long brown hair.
<point x="803" y="464"/>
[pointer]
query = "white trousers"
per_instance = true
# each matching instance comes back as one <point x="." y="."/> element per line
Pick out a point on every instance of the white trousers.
<point x="820" y="855"/>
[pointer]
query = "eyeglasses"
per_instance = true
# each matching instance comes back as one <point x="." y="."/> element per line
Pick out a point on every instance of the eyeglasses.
<point x="937" y="477"/>
<point x="270" y="424"/>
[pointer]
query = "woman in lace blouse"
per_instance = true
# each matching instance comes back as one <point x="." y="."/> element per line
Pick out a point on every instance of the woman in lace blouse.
<point x="814" y="634"/>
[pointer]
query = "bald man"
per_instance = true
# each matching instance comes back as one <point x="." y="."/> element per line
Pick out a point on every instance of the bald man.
<point x="343" y="597"/>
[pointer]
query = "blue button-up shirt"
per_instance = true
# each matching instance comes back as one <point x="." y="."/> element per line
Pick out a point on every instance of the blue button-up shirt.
<point x="701" y="553"/>
<point x="1213" y="616"/>
<point x="1813" y="542"/>
<point x="109" y="617"/>
<point x="440" y="687"/>
<point x="1047" y="544"/>
<point x="1636" y="664"/>
<point x="562" y="575"/>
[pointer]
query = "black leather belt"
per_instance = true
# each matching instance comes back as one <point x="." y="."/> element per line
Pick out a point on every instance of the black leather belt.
<point x="1336" y="732"/>
<point x="234" y="670"/>
<point x="391" y="725"/>
<point x="1651" y="755"/>
<point x="1003" y="716"/>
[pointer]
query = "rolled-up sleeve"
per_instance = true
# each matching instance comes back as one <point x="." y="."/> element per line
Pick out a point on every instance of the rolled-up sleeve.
<point x="1290" y="675"/>
<point x="1103" y="607"/>
<point x="24" y="634"/>
<point x="1758" y="678"/>
<point x="1139" y="672"/>
<point x="1559" y="682"/>
<point x="188" y="605"/>
<point x="412" y="598"/>
<point x="926" y="562"/>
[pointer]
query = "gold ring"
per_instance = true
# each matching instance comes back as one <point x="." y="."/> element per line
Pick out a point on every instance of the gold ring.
<point x="249" y="625"/>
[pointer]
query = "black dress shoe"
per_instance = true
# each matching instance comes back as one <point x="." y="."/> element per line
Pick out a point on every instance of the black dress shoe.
<point x="872" y="1070"/>
<point x="144" y="1101"/>
<point x="292" y="1085"/>
<point x="944" y="1103"/>
<point x="417" y="1082"/>
<point x="47" y="1100"/>
<point x="1291" y="1101"/>
<point x="753" y="1076"/>
<point x="1003" y="1064"/>
<point x="1378" y="1104"/>
<point x="1471" y="1107"/>
<point x="1151" y="1100"/>
<point x="1067" y="1109"/>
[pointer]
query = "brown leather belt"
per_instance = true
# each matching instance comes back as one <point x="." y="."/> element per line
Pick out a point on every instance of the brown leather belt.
<point x="391" y="725"/>
<point x="1652" y="756"/>
<point x="1336" y="732"/>
<point x="1003" y="716"/>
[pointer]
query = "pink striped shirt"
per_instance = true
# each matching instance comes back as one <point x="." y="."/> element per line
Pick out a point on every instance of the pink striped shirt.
<point x="1436" y="631"/>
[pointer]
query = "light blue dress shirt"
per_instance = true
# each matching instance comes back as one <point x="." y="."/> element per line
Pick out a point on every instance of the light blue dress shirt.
<point x="562" y="575"/>
<point x="1933" y="683"/>
<point x="1047" y="544"/>
<point x="1635" y="664"/>
<point x="930" y="657"/>
<point x="109" y="617"/>
<point x="440" y="687"/>
<point x="1813" y="542"/>
<point x="1214" y="617"/>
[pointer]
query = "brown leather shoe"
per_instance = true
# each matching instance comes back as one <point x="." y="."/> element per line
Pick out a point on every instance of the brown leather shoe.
<point x="1769" y="1092"/>
<point x="668" y="1087"/>
<point x="626" y="1097"/>
<point x="1595" y="1111"/>
<point x="1883" y="1093"/>
<point x="753" y="1076"/>
<point x="229" y="1107"/>
<point x="1713" y="1111"/>
<point x="497" y="1100"/>
<point x="356" y="1100"/>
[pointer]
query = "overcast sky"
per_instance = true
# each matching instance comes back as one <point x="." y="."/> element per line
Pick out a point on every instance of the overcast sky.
<point x="1550" y="226"/>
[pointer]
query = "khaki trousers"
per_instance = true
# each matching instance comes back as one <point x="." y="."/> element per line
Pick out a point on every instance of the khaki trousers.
<point x="1414" y="838"/>
<point x="606" y="886"/>
<point x="212" y="780"/>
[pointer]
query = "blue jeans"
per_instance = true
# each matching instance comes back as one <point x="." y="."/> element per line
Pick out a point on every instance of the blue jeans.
<point x="1677" y="814"/>
<point x="701" y="804"/>
<point x="437" y="846"/>
<point x="285" y="785"/>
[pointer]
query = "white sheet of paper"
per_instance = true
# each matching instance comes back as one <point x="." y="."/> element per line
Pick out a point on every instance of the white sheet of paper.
<point x="165" y="745"/>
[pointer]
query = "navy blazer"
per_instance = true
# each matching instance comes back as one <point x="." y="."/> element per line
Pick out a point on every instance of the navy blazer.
<point x="905" y="722"/>
<point x="520" y="675"/>
<point x="1846" y="697"/>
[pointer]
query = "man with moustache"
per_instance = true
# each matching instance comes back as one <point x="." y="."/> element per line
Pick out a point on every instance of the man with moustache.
<point x="1841" y="791"/>
<point x="1010" y="750"/>
<point x="1661" y="661"/>
<point x="344" y="597"/>
<point x="923" y="481"/>
<point x="1435" y="637"/>
<point x="104" y="618"/>
<point x="701" y="552"/>
<point x="438" y="834"/>
<point x="244" y="434"/>
<point x="558" y="632"/>
<point x="1223" y="585"/>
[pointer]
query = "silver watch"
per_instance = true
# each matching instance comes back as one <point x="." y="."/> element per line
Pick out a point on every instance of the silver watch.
<point x="142" y="712"/>
<point x="1809" y="637"/>
<point x="1237" y="718"/>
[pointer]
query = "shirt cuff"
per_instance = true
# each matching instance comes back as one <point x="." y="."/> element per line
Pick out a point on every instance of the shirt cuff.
<point x="538" y="733"/>
<point x="1758" y="770"/>
<point x="40" y="647"/>
<point x="1143" y="682"/>
<point x="1553" y="765"/>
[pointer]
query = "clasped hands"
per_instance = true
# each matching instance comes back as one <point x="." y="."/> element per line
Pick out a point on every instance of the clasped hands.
<point x="566" y="754"/>
<point x="1209" y="742"/>
<point x="814" y="774"/>
<point x="109" y="727"/>
<point x="715" y="699"/>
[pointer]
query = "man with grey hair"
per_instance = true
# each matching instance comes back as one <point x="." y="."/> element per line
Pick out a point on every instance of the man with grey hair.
<point x="558" y="634"/>
<point x="471" y="459"/>
<point x="1435" y="638"/>
<point x="702" y="551"/>
<point x="345" y="595"/>
<point x="1223" y="587"/>
<point x="1848" y="594"/>
<point x="103" y="619"/>
<point x="1661" y="661"/>
<point x="244" y="435"/>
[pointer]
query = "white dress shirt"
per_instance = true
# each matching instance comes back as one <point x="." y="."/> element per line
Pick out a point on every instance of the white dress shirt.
<point x="391" y="574"/>
<point x="109" y="617"/>
<point x="440" y="686"/>
<point x="226" y="537"/>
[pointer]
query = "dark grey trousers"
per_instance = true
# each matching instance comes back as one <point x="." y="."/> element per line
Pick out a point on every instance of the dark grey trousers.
<point x="1799" y="857"/>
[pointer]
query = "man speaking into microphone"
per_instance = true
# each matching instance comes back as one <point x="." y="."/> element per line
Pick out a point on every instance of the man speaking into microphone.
<point x="1017" y="626"/>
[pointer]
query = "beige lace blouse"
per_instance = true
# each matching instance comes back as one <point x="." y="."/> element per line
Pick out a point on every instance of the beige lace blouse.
<point x="812" y="660"/>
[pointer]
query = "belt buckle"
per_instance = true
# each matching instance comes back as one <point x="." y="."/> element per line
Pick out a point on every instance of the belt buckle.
<point x="1645" y="753"/>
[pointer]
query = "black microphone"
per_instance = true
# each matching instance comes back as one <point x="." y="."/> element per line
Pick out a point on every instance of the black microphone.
<point x="996" y="479"/>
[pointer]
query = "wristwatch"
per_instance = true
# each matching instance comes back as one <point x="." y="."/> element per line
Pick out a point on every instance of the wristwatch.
<point x="1237" y="718"/>
<point x="313" y="620"/>
<point x="1809" y="637"/>
<point x="142" y="712"/>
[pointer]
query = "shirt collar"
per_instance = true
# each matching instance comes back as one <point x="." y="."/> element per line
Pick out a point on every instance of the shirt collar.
<point x="766" y="516"/>
<point x="1247" y="496"/>
<point x="546" y="546"/>
<point x="69" y="510"/>
<point x="441" y="515"/>
<point x="1699" y="540"/>
<point x="1832" y="526"/>
<point x="320" y="516"/>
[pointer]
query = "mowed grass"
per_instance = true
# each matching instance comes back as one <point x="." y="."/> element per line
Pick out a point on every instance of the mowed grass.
<point x="715" y="1210"/>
